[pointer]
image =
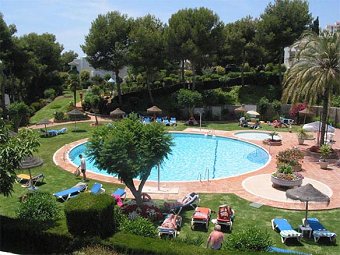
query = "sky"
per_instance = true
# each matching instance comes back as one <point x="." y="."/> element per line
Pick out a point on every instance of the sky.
<point x="70" y="20"/>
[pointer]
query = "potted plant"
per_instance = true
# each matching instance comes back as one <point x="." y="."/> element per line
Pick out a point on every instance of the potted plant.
<point x="286" y="177"/>
<point x="302" y="135"/>
<point x="292" y="157"/>
<point x="325" y="151"/>
<point x="272" y="140"/>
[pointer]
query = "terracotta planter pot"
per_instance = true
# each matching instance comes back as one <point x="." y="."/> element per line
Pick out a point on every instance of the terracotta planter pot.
<point x="272" y="142"/>
<point x="323" y="164"/>
<point x="301" y="141"/>
<point x="285" y="183"/>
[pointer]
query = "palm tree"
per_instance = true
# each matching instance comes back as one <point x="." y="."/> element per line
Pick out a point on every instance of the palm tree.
<point x="315" y="73"/>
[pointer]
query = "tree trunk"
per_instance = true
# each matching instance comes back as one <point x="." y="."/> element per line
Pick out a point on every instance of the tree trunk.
<point x="3" y="104"/>
<point x="182" y="70"/>
<point x="324" y="115"/>
<point x="193" y="76"/>
<point x="242" y="71"/>
<point x="119" y="90"/>
<point x="148" y="81"/>
<point x="75" y="96"/>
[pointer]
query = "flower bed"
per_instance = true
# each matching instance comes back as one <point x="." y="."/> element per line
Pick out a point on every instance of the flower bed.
<point x="148" y="210"/>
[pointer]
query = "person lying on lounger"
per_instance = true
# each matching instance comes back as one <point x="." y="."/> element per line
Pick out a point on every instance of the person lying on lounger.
<point x="170" y="222"/>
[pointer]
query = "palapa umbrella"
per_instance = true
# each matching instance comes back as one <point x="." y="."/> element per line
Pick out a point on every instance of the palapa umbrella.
<point x="253" y="113"/>
<point x="28" y="163"/>
<point x="44" y="122"/>
<point x="306" y="194"/>
<point x="75" y="113"/>
<point x="117" y="113"/>
<point x="316" y="127"/>
<point x="306" y="112"/>
<point x="240" y="109"/>
<point x="154" y="110"/>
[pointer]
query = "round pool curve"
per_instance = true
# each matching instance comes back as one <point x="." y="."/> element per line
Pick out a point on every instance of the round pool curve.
<point x="196" y="157"/>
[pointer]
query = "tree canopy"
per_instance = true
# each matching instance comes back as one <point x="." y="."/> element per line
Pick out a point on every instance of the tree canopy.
<point x="12" y="150"/>
<point x="107" y="43"/>
<point x="189" y="98"/>
<point x="315" y="73"/>
<point x="281" y="24"/>
<point x="147" y="48"/>
<point x="130" y="149"/>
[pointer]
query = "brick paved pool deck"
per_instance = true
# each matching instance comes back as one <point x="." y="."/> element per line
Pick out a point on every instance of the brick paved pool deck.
<point x="175" y="190"/>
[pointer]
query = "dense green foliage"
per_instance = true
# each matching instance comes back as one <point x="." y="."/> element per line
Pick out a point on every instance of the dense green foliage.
<point x="39" y="207"/>
<point x="190" y="99"/>
<point x="12" y="150"/>
<point x="90" y="215"/>
<point x="248" y="239"/>
<point x="106" y="45"/>
<point x="130" y="149"/>
<point x="139" y="226"/>
<point x="315" y="75"/>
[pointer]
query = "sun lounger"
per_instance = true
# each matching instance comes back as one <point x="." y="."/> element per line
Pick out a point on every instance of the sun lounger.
<point x="119" y="195"/>
<point x="190" y="200"/>
<point x="285" y="229"/>
<point x="97" y="188"/>
<point x="65" y="195"/>
<point x="319" y="231"/>
<point x="225" y="216"/>
<point x="170" y="226"/>
<point x="173" y="121"/>
<point x="286" y="251"/>
<point x="24" y="179"/>
<point x="201" y="216"/>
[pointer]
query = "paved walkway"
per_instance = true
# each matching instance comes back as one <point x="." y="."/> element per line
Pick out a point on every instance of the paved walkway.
<point x="239" y="185"/>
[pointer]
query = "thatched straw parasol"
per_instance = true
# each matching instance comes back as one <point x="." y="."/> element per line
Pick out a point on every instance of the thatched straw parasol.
<point x="28" y="163"/>
<point x="44" y="122"/>
<point x="75" y="114"/>
<point x="117" y="113"/>
<point x="240" y="109"/>
<point x="154" y="110"/>
<point x="307" y="193"/>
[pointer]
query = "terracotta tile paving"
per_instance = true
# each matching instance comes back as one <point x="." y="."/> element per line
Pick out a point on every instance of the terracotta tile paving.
<point x="311" y="169"/>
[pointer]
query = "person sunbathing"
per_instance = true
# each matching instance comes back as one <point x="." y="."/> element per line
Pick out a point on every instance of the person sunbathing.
<point x="170" y="222"/>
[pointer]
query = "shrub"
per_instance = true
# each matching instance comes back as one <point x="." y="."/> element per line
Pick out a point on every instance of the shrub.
<point x="139" y="226"/>
<point x="246" y="67"/>
<point x="220" y="70"/>
<point x="59" y="116"/>
<point x="49" y="93"/>
<point x="39" y="206"/>
<point x="290" y="156"/>
<point x="249" y="239"/>
<point x="188" y="73"/>
<point x="90" y="215"/>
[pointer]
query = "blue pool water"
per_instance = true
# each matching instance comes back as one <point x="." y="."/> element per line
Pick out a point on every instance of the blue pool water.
<point x="195" y="155"/>
<point x="255" y="135"/>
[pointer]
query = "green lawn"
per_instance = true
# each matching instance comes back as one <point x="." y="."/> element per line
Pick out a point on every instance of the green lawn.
<point x="60" y="104"/>
<point x="58" y="179"/>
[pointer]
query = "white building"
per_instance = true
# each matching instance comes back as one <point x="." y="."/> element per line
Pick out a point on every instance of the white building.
<point x="333" y="28"/>
<point x="82" y="64"/>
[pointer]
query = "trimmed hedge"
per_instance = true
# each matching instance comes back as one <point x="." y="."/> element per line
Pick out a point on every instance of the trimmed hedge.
<point x="90" y="215"/>
<point x="131" y="244"/>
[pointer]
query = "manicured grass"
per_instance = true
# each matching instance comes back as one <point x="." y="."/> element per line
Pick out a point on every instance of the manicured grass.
<point x="246" y="216"/>
<point x="60" y="104"/>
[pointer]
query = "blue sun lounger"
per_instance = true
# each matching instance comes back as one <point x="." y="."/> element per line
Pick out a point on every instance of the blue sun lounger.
<point x="285" y="229"/>
<point x="120" y="192"/>
<point x="320" y="231"/>
<point x="65" y="195"/>
<point x="285" y="251"/>
<point x="97" y="188"/>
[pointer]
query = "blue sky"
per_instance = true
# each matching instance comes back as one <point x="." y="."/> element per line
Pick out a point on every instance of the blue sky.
<point x="70" y="20"/>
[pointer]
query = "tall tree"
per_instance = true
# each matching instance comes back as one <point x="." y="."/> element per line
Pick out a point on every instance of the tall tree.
<point x="44" y="62"/>
<point x="147" y="49"/>
<point x="190" y="99"/>
<point x="281" y="24"/>
<point x="67" y="57"/>
<point x="12" y="150"/>
<point x="107" y="43"/>
<point x="130" y="149"/>
<point x="315" y="74"/>
<point x="240" y="41"/>
<point x="6" y="49"/>
<point x="195" y="35"/>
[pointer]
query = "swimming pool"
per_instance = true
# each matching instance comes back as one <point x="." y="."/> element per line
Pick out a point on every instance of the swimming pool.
<point x="195" y="156"/>
<point x="259" y="136"/>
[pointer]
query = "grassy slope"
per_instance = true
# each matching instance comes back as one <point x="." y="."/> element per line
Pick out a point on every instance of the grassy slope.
<point x="60" y="104"/>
